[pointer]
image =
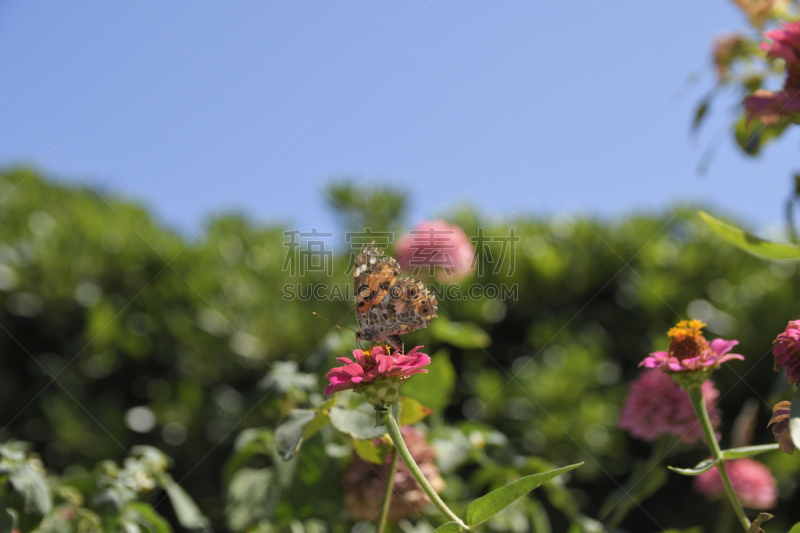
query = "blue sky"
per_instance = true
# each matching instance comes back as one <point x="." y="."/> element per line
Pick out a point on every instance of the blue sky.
<point x="516" y="107"/>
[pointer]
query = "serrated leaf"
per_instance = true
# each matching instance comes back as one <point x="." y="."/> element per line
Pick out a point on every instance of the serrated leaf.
<point x="289" y="435"/>
<point x="487" y="506"/>
<point x="358" y="424"/>
<point x="411" y="411"/>
<point x="186" y="511"/>
<point x="749" y="451"/>
<point x="794" y="418"/>
<point x="750" y="243"/>
<point x="699" y="468"/>
<point x="463" y="335"/>
<point x="448" y="528"/>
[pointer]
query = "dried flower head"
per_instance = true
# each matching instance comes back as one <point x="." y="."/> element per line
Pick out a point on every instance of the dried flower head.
<point x="780" y="426"/>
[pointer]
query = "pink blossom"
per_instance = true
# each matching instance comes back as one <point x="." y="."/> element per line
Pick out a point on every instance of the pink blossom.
<point x="435" y="243"/>
<point x="787" y="352"/>
<point x="656" y="405"/>
<point x="689" y="351"/>
<point x="752" y="482"/>
<point x="786" y="43"/>
<point x="771" y="106"/>
<point x="373" y="365"/>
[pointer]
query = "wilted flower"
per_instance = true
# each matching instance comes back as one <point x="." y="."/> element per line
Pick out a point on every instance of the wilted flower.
<point x="656" y="405"/>
<point x="365" y="482"/>
<point x="375" y="374"/>
<point x="436" y="244"/>
<point x="771" y="106"/>
<point x="787" y="352"/>
<point x="780" y="426"/>
<point x="752" y="482"/>
<point x="689" y="350"/>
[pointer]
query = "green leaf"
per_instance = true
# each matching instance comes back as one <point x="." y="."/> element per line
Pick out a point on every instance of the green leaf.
<point x="794" y="418"/>
<point x="358" y="424"/>
<point x="642" y="484"/>
<point x="702" y="466"/>
<point x="253" y="495"/>
<point x="749" y="242"/>
<point x="6" y="520"/>
<point x="411" y="411"/>
<point x="373" y="453"/>
<point x="487" y="506"/>
<point x="755" y="526"/>
<point x="289" y="435"/>
<point x="795" y="528"/>
<point x="144" y="511"/>
<point x="30" y="483"/>
<point x="749" y="451"/>
<point x="453" y="448"/>
<point x="249" y="443"/>
<point x="448" y="528"/>
<point x="753" y="136"/>
<point x="435" y="388"/>
<point x="186" y="511"/>
<point x="463" y="335"/>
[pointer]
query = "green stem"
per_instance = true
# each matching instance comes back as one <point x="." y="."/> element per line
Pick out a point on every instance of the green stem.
<point x="387" y="495"/>
<point x="699" y="404"/>
<point x="660" y="450"/>
<point x="400" y="445"/>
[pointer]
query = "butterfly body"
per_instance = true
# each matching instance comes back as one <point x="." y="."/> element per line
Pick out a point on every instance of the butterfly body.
<point x="387" y="305"/>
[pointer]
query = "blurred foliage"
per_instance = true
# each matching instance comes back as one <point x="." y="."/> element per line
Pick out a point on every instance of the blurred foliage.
<point x="117" y="332"/>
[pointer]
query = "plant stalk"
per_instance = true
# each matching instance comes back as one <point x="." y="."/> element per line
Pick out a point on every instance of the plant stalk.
<point x="402" y="450"/>
<point x="387" y="495"/>
<point x="662" y="446"/>
<point x="699" y="404"/>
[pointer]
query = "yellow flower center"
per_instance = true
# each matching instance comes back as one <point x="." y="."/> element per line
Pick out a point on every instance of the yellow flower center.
<point x="687" y="339"/>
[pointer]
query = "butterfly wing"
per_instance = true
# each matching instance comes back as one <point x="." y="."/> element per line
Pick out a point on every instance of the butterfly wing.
<point x="409" y="306"/>
<point x="373" y="277"/>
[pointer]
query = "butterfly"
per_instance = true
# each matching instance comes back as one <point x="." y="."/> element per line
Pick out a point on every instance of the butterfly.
<point x="387" y="305"/>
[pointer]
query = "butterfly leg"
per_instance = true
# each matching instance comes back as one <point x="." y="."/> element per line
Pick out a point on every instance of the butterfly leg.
<point x="395" y="342"/>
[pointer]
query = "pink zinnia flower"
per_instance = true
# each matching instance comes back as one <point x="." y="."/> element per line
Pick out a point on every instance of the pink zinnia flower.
<point x="787" y="352"/>
<point x="365" y="482"/>
<point x="376" y="367"/>
<point x="656" y="405"/>
<point x="771" y="106"/>
<point x="435" y="243"/>
<point x="780" y="426"/>
<point x="689" y="350"/>
<point x="752" y="482"/>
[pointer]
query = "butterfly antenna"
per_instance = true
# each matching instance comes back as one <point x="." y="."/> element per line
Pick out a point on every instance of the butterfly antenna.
<point x="338" y="326"/>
